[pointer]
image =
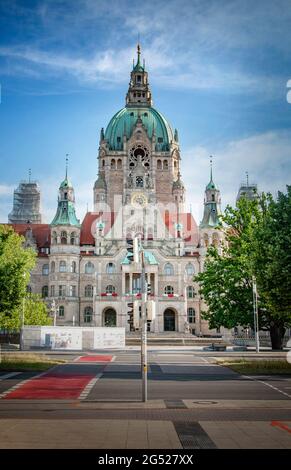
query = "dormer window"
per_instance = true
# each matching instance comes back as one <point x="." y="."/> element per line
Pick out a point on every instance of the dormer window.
<point x="66" y="195"/>
<point x="213" y="198"/>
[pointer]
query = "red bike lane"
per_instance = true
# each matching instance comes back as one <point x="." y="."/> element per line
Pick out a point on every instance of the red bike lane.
<point x="63" y="382"/>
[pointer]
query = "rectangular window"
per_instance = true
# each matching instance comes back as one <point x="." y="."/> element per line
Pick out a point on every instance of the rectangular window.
<point x="160" y="140"/>
<point x="73" y="291"/>
<point x="52" y="291"/>
<point x="62" y="291"/>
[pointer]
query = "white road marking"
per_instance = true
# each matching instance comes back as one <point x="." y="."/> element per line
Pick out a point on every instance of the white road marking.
<point x="77" y="358"/>
<point x="19" y="384"/>
<point x="9" y="375"/>
<point x="89" y="386"/>
<point x="268" y="385"/>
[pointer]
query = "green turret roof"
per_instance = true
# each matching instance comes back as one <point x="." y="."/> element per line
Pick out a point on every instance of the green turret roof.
<point x="66" y="214"/>
<point x="138" y="67"/>
<point x="210" y="216"/>
<point x="66" y="183"/>
<point x="100" y="183"/>
<point x="211" y="184"/>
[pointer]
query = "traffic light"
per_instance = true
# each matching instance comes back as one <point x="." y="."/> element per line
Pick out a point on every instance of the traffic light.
<point x="151" y="310"/>
<point x="136" y="314"/>
<point x="133" y="250"/>
<point x="149" y="288"/>
<point x="130" y="314"/>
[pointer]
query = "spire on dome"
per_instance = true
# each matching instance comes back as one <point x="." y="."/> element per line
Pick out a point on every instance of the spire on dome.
<point x="139" y="94"/>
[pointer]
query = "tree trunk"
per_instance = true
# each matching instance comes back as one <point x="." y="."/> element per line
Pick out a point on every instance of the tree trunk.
<point x="277" y="333"/>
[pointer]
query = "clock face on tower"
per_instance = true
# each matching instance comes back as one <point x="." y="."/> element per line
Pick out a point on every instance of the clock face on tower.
<point x="139" y="199"/>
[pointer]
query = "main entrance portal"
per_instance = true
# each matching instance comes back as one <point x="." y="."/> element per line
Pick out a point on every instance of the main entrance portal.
<point x="109" y="317"/>
<point x="169" y="320"/>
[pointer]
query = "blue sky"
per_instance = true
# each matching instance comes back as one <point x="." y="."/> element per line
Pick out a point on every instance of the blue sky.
<point x="218" y="71"/>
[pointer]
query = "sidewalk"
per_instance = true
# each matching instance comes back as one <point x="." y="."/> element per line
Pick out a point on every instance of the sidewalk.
<point x="138" y="434"/>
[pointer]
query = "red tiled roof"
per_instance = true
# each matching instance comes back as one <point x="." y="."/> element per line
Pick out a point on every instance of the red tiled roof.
<point x="88" y="226"/>
<point x="41" y="233"/>
<point x="190" y="228"/>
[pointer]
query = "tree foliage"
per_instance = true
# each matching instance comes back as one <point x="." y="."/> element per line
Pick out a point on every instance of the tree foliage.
<point x="257" y="243"/>
<point x="16" y="263"/>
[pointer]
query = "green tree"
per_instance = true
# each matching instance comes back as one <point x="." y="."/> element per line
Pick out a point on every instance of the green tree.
<point x="16" y="262"/>
<point x="271" y="262"/>
<point x="257" y="243"/>
<point x="36" y="311"/>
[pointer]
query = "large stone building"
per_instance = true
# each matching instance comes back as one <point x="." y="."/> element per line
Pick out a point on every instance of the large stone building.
<point x="84" y="267"/>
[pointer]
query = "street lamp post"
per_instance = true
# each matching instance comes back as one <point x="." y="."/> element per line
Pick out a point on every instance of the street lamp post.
<point x="256" y="317"/>
<point x="144" y="366"/>
<point x="22" y="324"/>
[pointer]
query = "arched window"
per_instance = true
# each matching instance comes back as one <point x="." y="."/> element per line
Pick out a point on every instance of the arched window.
<point x="103" y="163"/>
<point x="73" y="267"/>
<point x="110" y="268"/>
<point x="63" y="267"/>
<point x="113" y="165"/>
<point x="169" y="290"/>
<point x="189" y="269"/>
<point x="53" y="267"/>
<point x="88" y="314"/>
<point x="165" y="165"/>
<point x="73" y="238"/>
<point x="159" y="164"/>
<point x="119" y="164"/>
<point x="45" y="270"/>
<point x="191" y="315"/>
<point x="61" y="311"/>
<point x="54" y="238"/>
<point x="89" y="291"/>
<point x="63" y="238"/>
<point x="190" y="292"/>
<point x="110" y="289"/>
<point x="168" y="269"/>
<point x="44" y="292"/>
<point x="89" y="268"/>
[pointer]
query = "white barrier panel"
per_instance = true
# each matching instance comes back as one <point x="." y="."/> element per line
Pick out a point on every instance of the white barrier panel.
<point x="61" y="338"/>
<point x="109" y="338"/>
<point x="73" y="338"/>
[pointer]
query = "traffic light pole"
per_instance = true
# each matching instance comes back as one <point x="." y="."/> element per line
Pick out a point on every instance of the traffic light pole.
<point x="144" y="364"/>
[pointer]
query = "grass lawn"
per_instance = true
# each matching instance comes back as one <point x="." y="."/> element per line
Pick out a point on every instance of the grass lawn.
<point x="259" y="366"/>
<point x="14" y="361"/>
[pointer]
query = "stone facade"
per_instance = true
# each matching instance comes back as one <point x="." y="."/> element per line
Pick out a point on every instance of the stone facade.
<point x="84" y="269"/>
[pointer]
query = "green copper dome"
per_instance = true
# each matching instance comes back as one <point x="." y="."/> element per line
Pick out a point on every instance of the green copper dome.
<point x="124" y="121"/>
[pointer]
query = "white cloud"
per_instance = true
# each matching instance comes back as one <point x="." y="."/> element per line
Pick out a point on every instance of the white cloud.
<point x="266" y="157"/>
